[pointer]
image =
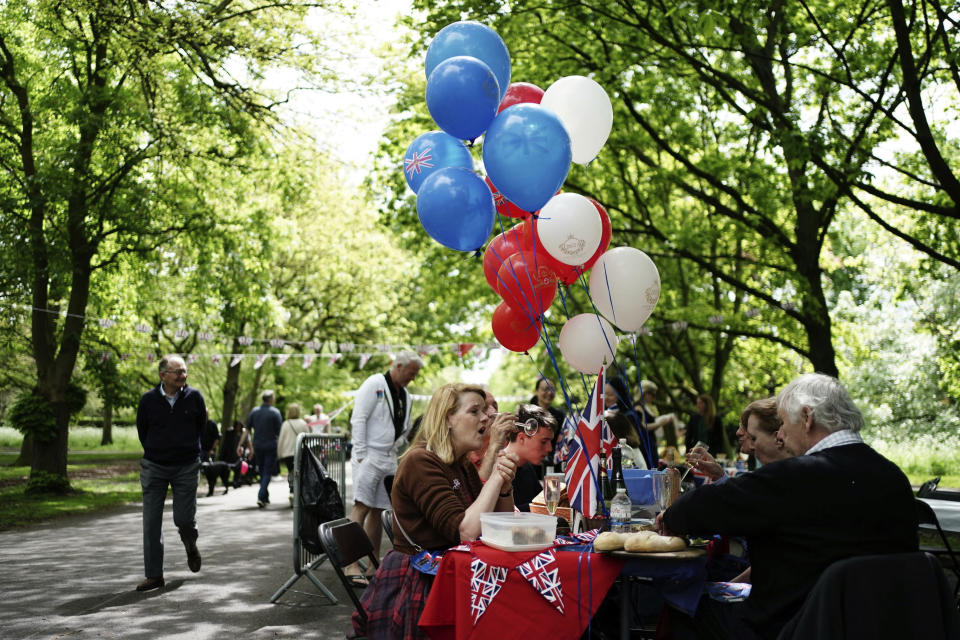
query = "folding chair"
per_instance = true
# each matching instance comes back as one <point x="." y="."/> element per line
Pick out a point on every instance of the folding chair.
<point x="386" y="519"/>
<point x="345" y="543"/>
<point x="926" y="515"/>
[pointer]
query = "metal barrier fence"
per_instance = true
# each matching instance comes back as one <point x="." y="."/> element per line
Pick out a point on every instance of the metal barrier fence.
<point x="331" y="451"/>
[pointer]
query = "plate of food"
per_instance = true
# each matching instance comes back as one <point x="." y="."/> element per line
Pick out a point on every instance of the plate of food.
<point x="646" y="543"/>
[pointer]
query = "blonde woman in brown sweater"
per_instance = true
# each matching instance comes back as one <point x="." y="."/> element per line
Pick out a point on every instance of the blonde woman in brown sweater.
<point x="437" y="500"/>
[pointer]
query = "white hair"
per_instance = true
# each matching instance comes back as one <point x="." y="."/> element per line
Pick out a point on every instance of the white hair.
<point x="406" y="357"/>
<point x="827" y="399"/>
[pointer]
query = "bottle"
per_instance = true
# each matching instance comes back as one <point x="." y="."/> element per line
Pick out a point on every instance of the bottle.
<point x="606" y="489"/>
<point x="621" y="508"/>
<point x="618" y="467"/>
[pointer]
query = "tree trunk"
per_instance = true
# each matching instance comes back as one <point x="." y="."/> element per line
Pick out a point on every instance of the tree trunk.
<point x="25" y="459"/>
<point x="107" y="423"/>
<point x="231" y="388"/>
<point x="48" y="474"/>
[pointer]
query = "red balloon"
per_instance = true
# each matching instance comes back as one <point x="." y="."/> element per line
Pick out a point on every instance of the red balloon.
<point x="500" y="248"/>
<point x="519" y="92"/>
<point x="526" y="283"/>
<point x="514" y="329"/>
<point x="504" y="206"/>
<point x="605" y="233"/>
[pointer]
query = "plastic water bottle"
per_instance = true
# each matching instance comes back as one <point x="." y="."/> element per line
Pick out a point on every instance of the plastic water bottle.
<point x="621" y="510"/>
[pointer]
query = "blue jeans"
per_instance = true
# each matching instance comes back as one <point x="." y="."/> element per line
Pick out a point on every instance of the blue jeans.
<point x="266" y="460"/>
<point x="154" y="479"/>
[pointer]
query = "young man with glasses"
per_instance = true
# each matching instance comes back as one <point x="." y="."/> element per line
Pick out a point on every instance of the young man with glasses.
<point x="170" y="419"/>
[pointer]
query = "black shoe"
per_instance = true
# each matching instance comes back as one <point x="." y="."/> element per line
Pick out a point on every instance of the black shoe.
<point x="193" y="556"/>
<point x="151" y="583"/>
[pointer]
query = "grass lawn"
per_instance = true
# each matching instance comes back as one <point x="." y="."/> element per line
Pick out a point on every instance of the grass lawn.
<point x="100" y="481"/>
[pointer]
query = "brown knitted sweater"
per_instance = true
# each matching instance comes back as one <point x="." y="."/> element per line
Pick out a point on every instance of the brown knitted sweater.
<point x="429" y="499"/>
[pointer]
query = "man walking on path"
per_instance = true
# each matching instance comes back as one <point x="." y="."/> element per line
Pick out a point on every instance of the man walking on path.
<point x="265" y="422"/>
<point x="380" y="419"/>
<point x="170" y="418"/>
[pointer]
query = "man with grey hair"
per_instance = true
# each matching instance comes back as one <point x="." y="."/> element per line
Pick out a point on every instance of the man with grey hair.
<point x="265" y="422"/>
<point x="379" y="424"/>
<point x="170" y="418"/>
<point x="836" y="499"/>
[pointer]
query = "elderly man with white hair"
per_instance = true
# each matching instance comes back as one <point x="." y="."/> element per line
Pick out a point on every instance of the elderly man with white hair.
<point x="835" y="499"/>
<point x="379" y="424"/>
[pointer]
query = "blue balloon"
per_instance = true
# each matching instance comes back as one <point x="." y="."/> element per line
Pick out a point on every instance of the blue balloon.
<point x="430" y="152"/>
<point x="526" y="153"/>
<point x="463" y="96"/>
<point x="468" y="38"/>
<point x="456" y="208"/>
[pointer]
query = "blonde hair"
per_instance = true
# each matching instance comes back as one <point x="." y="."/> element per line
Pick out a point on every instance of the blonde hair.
<point x="293" y="410"/>
<point x="433" y="428"/>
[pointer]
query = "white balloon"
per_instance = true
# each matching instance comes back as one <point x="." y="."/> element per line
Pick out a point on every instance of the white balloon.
<point x="625" y="287"/>
<point x="584" y="108"/>
<point x="588" y="342"/>
<point x="569" y="228"/>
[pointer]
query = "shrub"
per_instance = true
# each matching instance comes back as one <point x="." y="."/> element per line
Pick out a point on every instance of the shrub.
<point x="32" y="414"/>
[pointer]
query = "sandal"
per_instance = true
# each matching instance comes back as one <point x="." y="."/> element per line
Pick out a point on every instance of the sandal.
<point x="358" y="581"/>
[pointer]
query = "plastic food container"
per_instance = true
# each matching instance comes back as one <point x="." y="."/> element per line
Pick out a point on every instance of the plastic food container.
<point x="512" y="531"/>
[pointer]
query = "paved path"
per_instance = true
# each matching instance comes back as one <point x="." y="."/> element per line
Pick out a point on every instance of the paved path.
<point x="75" y="578"/>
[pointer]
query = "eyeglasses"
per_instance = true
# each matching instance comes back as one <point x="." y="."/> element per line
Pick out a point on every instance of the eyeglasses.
<point x="177" y="372"/>
<point x="530" y="427"/>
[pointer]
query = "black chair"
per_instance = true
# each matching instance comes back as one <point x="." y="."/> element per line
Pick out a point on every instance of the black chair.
<point x="345" y="543"/>
<point x="926" y="515"/>
<point x="386" y="519"/>
<point x="928" y="488"/>
<point x="900" y="595"/>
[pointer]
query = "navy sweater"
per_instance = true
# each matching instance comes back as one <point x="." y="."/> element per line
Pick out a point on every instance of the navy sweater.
<point x="171" y="435"/>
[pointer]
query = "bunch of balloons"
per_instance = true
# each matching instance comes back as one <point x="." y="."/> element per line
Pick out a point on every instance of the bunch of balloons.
<point x="530" y="138"/>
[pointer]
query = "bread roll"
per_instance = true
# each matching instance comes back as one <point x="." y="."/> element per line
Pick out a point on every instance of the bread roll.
<point x="646" y="541"/>
<point x="608" y="541"/>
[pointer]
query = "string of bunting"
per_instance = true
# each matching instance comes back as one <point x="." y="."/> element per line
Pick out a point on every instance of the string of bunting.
<point x="362" y="351"/>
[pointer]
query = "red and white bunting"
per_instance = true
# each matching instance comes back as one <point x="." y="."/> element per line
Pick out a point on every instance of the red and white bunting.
<point x="261" y="358"/>
<point x="281" y="358"/>
<point x="106" y="323"/>
<point x="333" y="358"/>
<point x="215" y="358"/>
<point x="245" y="341"/>
<point x="204" y="336"/>
<point x="543" y="574"/>
<point x="364" y="359"/>
<point x="192" y="358"/>
<point x="346" y="346"/>
<point x="277" y="343"/>
<point x="142" y="328"/>
<point x="104" y="356"/>
<point x="236" y="359"/>
<point x="485" y="584"/>
<point x="312" y="344"/>
<point x="181" y="334"/>
<point x="464" y="348"/>
<point x="124" y="356"/>
<point x="308" y="360"/>
<point x="150" y="357"/>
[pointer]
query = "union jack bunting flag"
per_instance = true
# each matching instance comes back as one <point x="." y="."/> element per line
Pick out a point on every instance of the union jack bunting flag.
<point x="583" y="459"/>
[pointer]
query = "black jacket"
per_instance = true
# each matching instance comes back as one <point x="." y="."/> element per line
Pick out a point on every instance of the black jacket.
<point x="171" y="435"/>
<point x="799" y="516"/>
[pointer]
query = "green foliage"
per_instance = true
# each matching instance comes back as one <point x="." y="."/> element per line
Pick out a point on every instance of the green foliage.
<point x="43" y="482"/>
<point x="32" y="413"/>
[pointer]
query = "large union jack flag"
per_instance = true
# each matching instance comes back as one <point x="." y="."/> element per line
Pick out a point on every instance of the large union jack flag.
<point x="583" y="457"/>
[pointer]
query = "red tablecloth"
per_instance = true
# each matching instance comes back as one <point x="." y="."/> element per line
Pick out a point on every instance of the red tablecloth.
<point x="518" y="610"/>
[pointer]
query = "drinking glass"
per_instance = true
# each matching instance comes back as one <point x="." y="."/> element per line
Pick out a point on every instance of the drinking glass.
<point x="661" y="490"/>
<point x="551" y="491"/>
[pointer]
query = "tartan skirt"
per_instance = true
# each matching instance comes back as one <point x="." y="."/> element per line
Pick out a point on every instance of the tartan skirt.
<point x="394" y="600"/>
